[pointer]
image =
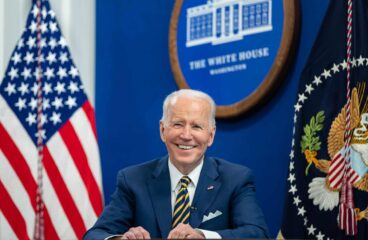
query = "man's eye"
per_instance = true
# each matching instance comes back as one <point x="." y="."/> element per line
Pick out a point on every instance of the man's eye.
<point x="197" y="127"/>
<point x="177" y="124"/>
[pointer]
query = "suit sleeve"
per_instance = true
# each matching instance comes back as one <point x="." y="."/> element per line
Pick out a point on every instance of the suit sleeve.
<point x="117" y="217"/>
<point x="246" y="217"/>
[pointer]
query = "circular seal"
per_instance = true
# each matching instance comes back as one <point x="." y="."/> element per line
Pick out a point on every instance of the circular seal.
<point x="237" y="51"/>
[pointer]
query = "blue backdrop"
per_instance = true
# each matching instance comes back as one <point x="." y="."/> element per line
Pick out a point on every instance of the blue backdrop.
<point x="133" y="76"/>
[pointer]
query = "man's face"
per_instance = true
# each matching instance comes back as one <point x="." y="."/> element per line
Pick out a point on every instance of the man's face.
<point x="187" y="132"/>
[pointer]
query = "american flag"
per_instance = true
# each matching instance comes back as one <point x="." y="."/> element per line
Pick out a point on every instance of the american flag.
<point x="46" y="120"/>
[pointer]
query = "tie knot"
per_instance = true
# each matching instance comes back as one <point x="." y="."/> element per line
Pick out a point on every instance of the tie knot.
<point x="184" y="181"/>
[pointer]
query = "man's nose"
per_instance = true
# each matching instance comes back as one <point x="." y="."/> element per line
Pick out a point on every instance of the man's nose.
<point x="186" y="133"/>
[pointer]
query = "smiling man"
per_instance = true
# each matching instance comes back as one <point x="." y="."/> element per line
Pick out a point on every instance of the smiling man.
<point x="185" y="194"/>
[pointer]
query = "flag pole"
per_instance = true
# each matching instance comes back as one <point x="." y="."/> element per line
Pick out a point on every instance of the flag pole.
<point x="39" y="221"/>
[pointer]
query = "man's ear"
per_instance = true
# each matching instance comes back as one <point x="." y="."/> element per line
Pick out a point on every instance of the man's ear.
<point x="212" y="137"/>
<point x="162" y="131"/>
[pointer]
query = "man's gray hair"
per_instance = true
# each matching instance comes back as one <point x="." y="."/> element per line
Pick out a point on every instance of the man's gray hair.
<point x="190" y="93"/>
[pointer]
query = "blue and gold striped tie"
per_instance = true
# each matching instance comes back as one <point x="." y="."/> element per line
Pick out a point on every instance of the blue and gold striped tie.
<point x="182" y="207"/>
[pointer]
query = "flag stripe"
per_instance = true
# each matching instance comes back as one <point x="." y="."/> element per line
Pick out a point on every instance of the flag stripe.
<point x="17" y="162"/>
<point x="336" y="171"/>
<point x="74" y="146"/>
<point x="6" y="230"/>
<point x="336" y="160"/>
<point x="12" y="214"/>
<point x="63" y="194"/>
<point x="74" y="184"/>
<point x="58" y="217"/>
<point x="90" y="113"/>
<point x="50" y="231"/>
<point x="87" y="138"/>
<point x="353" y="176"/>
<point x="17" y="193"/>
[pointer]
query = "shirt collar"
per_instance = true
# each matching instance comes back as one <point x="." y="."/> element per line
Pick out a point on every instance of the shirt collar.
<point x="176" y="175"/>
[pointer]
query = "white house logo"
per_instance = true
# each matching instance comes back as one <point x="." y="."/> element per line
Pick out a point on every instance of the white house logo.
<point x="227" y="48"/>
<point x="223" y="21"/>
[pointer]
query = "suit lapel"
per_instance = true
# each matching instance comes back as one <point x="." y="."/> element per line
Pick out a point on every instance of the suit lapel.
<point x="206" y="191"/>
<point x="159" y="189"/>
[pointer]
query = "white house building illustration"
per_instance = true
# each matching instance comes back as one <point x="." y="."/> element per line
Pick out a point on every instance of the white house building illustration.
<point x="222" y="21"/>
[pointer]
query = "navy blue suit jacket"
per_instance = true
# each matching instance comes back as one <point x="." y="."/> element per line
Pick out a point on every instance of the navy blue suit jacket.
<point x="143" y="198"/>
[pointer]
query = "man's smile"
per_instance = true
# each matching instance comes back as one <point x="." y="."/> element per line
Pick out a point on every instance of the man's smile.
<point x="185" y="147"/>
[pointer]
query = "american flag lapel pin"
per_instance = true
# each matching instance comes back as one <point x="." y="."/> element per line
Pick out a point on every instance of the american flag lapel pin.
<point x="210" y="187"/>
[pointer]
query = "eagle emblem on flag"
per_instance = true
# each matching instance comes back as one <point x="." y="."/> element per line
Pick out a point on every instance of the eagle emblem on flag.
<point x="325" y="191"/>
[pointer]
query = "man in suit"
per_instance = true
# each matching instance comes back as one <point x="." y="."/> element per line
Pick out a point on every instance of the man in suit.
<point x="185" y="194"/>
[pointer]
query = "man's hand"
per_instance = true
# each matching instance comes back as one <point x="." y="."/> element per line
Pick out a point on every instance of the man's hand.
<point x="183" y="231"/>
<point x="136" y="233"/>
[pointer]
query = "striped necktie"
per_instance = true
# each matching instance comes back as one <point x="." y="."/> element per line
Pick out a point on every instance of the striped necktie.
<point x="182" y="207"/>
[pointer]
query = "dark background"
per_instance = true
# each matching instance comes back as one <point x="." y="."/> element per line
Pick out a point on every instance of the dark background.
<point x="133" y="76"/>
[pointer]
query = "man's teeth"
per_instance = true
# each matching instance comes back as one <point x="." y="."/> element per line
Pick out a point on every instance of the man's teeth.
<point x="185" y="147"/>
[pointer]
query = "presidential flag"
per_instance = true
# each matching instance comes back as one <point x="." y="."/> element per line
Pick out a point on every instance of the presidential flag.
<point x="50" y="176"/>
<point x="327" y="183"/>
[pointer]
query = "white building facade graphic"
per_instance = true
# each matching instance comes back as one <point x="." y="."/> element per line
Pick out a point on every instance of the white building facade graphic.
<point x="223" y="21"/>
